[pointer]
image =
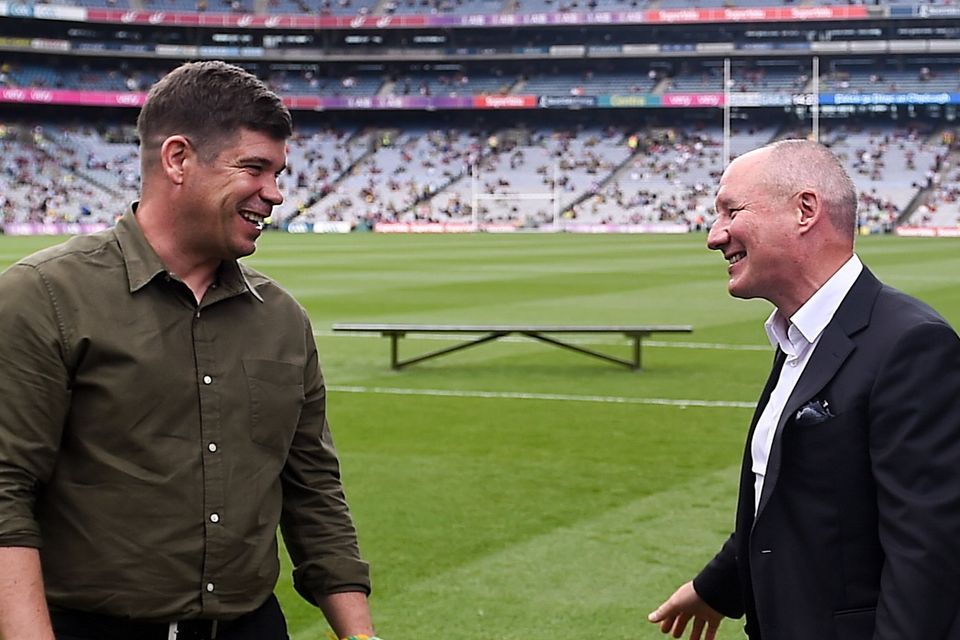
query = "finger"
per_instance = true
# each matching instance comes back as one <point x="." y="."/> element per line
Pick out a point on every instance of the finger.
<point x="712" y="627"/>
<point x="697" y="629"/>
<point x="664" y="611"/>
<point x="680" y="625"/>
<point x="667" y="624"/>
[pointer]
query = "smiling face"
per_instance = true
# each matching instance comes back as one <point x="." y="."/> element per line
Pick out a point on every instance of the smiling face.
<point x="757" y="230"/>
<point x="229" y="196"/>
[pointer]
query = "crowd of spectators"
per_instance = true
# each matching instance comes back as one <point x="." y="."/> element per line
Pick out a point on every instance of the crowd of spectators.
<point x="940" y="203"/>
<point x="466" y="79"/>
<point x="40" y="183"/>
<point x="528" y="176"/>
<point x="890" y="165"/>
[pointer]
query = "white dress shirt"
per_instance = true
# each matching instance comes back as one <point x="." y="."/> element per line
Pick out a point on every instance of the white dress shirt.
<point x="798" y="339"/>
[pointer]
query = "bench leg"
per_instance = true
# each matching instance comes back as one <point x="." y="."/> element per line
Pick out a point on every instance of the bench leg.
<point x="632" y="364"/>
<point x="396" y="363"/>
<point x="394" y="338"/>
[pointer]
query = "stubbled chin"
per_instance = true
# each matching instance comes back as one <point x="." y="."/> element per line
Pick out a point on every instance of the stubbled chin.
<point x="733" y="285"/>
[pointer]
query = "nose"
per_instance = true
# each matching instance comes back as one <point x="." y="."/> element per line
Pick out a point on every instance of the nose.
<point x="271" y="192"/>
<point x="718" y="236"/>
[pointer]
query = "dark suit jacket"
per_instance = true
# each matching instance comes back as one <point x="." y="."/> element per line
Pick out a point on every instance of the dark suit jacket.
<point x="857" y="536"/>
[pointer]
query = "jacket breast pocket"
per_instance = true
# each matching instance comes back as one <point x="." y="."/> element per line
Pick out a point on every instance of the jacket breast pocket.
<point x="276" y="398"/>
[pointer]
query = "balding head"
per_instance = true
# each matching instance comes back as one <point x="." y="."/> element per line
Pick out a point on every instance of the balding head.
<point x="791" y="166"/>
<point x="786" y="220"/>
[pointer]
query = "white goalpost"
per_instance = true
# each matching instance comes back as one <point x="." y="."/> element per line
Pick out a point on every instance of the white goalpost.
<point x="552" y="196"/>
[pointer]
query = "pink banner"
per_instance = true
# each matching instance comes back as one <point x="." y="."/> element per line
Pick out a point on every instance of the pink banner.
<point x="52" y="228"/>
<point x="757" y="14"/>
<point x="63" y="96"/>
<point x="692" y="100"/>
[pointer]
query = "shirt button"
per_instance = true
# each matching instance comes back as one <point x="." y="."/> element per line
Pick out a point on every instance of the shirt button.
<point x="207" y="379"/>
<point x="214" y="517"/>
<point x="212" y="446"/>
<point x="210" y="587"/>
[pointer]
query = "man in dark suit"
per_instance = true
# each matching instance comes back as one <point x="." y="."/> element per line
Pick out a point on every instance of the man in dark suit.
<point x="848" y="523"/>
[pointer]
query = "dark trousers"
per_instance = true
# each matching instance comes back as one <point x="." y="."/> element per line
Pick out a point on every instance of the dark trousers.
<point x="264" y="623"/>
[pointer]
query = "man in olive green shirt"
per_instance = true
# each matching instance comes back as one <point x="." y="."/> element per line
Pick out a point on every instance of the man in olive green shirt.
<point x="162" y="408"/>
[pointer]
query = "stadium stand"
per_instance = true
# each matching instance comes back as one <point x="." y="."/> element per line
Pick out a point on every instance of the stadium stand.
<point x="439" y="83"/>
<point x="587" y="175"/>
<point x="323" y="7"/>
<point x="529" y="125"/>
<point x="43" y="183"/>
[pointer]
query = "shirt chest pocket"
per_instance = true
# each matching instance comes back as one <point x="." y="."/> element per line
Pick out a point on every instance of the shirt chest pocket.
<point x="276" y="398"/>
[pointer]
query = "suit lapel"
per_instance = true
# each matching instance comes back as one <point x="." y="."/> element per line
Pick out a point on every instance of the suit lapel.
<point x="835" y="346"/>
<point x="745" y="503"/>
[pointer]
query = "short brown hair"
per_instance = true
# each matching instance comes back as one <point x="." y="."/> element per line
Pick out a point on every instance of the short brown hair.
<point x="207" y="102"/>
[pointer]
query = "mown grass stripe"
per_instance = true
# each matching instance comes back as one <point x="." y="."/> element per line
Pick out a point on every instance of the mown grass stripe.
<point x="517" y="395"/>
<point x="560" y="581"/>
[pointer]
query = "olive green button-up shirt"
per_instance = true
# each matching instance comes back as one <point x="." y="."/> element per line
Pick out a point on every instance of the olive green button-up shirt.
<point x="150" y="445"/>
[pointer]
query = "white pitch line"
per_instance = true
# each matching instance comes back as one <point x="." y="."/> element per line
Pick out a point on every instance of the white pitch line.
<point x="646" y="343"/>
<point x="515" y="395"/>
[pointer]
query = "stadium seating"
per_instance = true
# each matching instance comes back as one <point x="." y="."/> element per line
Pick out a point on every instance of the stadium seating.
<point x="531" y="166"/>
<point x="449" y="83"/>
<point x="43" y="183"/>
<point x="919" y="77"/>
<point x="889" y="164"/>
<point x="589" y="83"/>
<point x="526" y="176"/>
<point x="393" y="173"/>
<point x="323" y="7"/>
<point x="761" y="76"/>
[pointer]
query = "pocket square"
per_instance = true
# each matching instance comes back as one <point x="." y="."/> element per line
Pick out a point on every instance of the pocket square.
<point x="814" y="412"/>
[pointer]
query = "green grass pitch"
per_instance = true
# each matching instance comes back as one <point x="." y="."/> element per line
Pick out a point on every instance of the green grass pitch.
<point x="571" y="508"/>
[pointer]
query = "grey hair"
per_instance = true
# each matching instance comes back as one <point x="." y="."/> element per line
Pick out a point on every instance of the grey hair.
<point x="798" y="164"/>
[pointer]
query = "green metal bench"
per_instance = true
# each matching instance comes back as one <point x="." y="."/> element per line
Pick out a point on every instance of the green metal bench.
<point x="490" y="332"/>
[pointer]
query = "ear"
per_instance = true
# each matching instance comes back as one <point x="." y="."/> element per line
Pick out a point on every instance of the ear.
<point x="809" y="209"/>
<point x="175" y="153"/>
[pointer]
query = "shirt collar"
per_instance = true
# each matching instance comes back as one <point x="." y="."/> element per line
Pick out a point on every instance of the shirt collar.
<point x="141" y="261"/>
<point x="806" y="325"/>
<point x="143" y="264"/>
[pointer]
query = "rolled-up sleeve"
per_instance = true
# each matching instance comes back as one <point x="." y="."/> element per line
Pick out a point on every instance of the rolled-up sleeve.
<point x="34" y="399"/>
<point x="316" y="523"/>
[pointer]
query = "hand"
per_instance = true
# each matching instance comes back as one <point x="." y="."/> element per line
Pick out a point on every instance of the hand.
<point x="674" y="614"/>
